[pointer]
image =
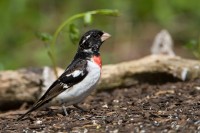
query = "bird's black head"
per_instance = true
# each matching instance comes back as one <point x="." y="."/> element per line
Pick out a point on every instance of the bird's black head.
<point x="91" y="41"/>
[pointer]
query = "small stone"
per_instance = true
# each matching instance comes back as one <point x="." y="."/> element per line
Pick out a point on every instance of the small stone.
<point x="197" y="88"/>
<point x="38" y="122"/>
<point x="105" y="106"/>
<point x="116" y="101"/>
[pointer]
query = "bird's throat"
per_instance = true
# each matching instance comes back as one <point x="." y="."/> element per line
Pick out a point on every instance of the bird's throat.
<point x="97" y="60"/>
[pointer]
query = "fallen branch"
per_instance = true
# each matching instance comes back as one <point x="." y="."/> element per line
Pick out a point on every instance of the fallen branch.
<point x="26" y="85"/>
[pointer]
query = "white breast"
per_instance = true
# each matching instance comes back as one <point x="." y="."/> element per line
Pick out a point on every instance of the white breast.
<point x="81" y="90"/>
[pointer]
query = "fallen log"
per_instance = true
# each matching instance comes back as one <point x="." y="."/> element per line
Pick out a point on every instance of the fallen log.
<point x="26" y="85"/>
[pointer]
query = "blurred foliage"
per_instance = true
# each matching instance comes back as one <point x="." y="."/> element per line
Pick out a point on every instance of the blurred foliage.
<point x="194" y="46"/>
<point x="23" y="20"/>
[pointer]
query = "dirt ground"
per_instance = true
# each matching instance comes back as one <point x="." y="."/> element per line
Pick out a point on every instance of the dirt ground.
<point x="169" y="107"/>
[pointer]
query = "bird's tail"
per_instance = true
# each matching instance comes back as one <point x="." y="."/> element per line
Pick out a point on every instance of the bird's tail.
<point x="33" y="108"/>
<point x="46" y="98"/>
<point x="22" y="116"/>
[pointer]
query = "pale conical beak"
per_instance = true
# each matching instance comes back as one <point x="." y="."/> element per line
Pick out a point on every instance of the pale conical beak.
<point x="105" y="36"/>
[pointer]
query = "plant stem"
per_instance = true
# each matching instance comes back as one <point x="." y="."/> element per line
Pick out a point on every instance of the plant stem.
<point x="51" y="55"/>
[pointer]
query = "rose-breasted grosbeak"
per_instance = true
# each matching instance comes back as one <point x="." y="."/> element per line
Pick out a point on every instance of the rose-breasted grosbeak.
<point x="79" y="78"/>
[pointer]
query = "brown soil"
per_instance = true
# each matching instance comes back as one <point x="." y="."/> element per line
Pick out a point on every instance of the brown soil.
<point x="170" y="107"/>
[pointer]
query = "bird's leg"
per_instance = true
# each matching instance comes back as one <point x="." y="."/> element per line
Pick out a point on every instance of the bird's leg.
<point x="65" y="110"/>
<point x="78" y="107"/>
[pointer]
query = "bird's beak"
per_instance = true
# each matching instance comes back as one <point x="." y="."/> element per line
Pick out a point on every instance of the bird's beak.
<point x="105" y="36"/>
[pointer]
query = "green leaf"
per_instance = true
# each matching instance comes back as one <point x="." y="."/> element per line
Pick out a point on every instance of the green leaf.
<point x="192" y="45"/>
<point x="74" y="33"/>
<point x="108" y="12"/>
<point x="88" y="18"/>
<point x="44" y="36"/>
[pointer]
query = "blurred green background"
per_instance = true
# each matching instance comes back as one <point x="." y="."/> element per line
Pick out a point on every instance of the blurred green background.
<point x="132" y="32"/>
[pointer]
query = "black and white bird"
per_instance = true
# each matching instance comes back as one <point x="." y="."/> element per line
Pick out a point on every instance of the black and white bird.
<point x="79" y="78"/>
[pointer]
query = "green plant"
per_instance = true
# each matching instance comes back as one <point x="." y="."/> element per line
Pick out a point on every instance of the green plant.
<point x="74" y="33"/>
<point x="194" y="46"/>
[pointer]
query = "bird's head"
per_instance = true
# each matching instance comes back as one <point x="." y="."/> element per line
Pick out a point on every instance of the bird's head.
<point x="92" y="40"/>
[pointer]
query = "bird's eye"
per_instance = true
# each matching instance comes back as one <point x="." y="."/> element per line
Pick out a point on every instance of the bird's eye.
<point x="95" y="35"/>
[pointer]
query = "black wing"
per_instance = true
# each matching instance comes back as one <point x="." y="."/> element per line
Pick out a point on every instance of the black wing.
<point x="74" y="73"/>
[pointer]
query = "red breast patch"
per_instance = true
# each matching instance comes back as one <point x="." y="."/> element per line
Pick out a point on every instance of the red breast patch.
<point x="97" y="60"/>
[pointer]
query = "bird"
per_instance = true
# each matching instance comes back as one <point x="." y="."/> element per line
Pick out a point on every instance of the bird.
<point x="79" y="79"/>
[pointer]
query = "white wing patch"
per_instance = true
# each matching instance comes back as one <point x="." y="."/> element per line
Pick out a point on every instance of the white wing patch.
<point x="76" y="73"/>
<point x="64" y="85"/>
